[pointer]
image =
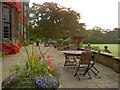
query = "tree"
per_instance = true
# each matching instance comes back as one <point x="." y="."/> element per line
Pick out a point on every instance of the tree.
<point x="97" y="35"/>
<point x="51" y="20"/>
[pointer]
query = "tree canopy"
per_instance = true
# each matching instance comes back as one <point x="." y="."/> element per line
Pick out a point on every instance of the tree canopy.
<point x="51" y="20"/>
<point x="97" y="35"/>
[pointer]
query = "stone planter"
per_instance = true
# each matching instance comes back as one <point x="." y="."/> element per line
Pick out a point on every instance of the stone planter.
<point x="16" y="82"/>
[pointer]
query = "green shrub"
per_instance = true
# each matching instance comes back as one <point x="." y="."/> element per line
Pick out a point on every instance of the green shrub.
<point x="67" y="42"/>
<point x="81" y="45"/>
<point x="95" y="48"/>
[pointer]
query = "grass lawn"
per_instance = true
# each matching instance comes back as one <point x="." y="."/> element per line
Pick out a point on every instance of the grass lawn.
<point x="112" y="47"/>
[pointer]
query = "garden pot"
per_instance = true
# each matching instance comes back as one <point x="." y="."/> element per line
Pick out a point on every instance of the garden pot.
<point x="15" y="82"/>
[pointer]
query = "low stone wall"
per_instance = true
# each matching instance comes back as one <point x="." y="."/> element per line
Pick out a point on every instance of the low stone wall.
<point x="109" y="60"/>
<point x="116" y="64"/>
<point x="106" y="59"/>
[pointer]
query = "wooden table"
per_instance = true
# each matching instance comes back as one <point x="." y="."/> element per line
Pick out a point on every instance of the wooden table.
<point x="70" y="57"/>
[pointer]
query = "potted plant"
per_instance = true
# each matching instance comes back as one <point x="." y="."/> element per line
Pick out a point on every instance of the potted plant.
<point x="39" y="72"/>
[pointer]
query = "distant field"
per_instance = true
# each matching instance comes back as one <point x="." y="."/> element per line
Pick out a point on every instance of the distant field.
<point x="114" y="48"/>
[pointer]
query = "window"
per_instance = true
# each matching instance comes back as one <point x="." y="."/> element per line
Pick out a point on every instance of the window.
<point x="25" y="32"/>
<point x="6" y="23"/>
<point x="25" y="11"/>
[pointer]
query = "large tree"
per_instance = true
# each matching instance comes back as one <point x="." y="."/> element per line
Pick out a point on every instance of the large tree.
<point x="51" y="20"/>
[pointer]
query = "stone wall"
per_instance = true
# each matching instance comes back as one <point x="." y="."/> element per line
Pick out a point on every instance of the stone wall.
<point x="106" y="59"/>
<point x="116" y="64"/>
<point x="109" y="60"/>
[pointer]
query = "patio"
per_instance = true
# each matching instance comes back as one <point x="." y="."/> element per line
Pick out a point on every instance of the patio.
<point x="107" y="78"/>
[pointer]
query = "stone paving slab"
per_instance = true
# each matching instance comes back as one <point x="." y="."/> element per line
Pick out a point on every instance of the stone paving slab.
<point x="107" y="78"/>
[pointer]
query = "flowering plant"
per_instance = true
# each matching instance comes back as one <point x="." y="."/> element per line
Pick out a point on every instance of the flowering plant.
<point x="40" y="72"/>
<point x="11" y="48"/>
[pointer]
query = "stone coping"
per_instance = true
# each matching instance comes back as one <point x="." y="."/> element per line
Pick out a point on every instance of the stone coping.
<point x="104" y="53"/>
<point x="117" y="58"/>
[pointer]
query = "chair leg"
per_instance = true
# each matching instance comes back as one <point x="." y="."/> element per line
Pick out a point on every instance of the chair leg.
<point x="85" y="71"/>
<point x="75" y="62"/>
<point x="94" y="72"/>
<point x="78" y="77"/>
<point x="76" y="71"/>
<point x="96" y="69"/>
<point x="89" y="75"/>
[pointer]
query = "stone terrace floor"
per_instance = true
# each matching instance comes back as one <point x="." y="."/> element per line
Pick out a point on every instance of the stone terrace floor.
<point x="107" y="78"/>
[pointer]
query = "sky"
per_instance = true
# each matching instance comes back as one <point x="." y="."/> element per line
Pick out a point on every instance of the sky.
<point x="102" y="13"/>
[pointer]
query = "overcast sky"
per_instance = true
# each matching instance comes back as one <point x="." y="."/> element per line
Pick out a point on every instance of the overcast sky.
<point x="103" y="13"/>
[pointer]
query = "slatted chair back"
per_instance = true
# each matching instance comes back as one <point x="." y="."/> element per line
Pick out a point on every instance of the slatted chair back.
<point x="84" y="62"/>
<point x="85" y="57"/>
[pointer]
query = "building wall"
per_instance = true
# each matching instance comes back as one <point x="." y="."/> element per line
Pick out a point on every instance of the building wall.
<point x="0" y="24"/>
<point x="26" y="21"/>
<point x="15" y="23"/>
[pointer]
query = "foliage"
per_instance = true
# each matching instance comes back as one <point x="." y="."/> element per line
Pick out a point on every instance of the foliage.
<point x="81" y="45"/>
<point x="67" y="42"/>
<point x="98" y="35"/>
<point x="51" y="17"/>
<point x="95" y="48"/>
<point x="112" y="47"/>
<point x="40" y="72"/>
<point x="59" y="41"/>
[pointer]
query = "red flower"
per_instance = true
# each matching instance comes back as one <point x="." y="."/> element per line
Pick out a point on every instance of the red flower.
<point x="49" y="63"/>
<point x="40" y="57"/>
<point x="11" y="48"/>
<point x="48" y="56"/>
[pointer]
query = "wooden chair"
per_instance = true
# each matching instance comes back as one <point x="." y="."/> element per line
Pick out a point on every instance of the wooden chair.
<point x="84" y="63"/>
<point x="92" y="63"/>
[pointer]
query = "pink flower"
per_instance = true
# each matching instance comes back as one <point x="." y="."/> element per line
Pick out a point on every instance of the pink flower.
<point x="48" y="56"/>
<point x="49" y="63"/>
<point x="40" y="57"/>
